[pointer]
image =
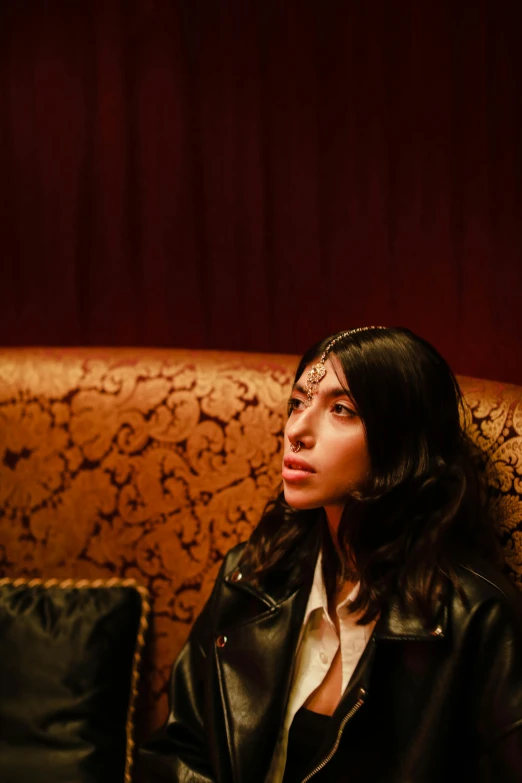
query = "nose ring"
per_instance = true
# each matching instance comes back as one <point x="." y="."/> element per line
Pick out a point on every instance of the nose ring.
<point x="297" y="447"/>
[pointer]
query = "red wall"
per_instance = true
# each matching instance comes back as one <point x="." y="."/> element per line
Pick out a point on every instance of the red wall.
<point x="255" y="175"/>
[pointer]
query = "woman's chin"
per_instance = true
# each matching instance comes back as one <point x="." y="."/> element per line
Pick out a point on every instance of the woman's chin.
<point x="298" y="500"/>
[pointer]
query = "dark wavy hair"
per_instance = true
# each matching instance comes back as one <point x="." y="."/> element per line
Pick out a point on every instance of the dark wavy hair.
<point x="423" y="508"/>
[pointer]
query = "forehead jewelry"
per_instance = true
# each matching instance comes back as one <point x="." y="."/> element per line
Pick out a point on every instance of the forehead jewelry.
<point x="318" y="371"/>
<point x="297" y="447"/>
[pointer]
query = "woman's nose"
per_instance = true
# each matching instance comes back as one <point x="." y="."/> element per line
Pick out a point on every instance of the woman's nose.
<point x="301" y="428"/>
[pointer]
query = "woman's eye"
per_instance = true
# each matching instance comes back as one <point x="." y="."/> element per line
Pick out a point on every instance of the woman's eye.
<point x="343" y="410"/>
<point x="294" y="404"/>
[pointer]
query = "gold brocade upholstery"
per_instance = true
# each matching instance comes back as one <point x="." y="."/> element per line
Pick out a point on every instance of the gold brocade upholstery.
<point x="151" y="464"/>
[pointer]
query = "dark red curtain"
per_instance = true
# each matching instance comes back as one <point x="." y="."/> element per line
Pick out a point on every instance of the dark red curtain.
<point x="254" y="175"/>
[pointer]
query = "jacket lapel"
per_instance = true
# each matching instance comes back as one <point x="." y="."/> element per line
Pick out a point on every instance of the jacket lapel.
<point x="255" y="671"/>
<point x="395" y="624"/>
<point x="255" y="668"/>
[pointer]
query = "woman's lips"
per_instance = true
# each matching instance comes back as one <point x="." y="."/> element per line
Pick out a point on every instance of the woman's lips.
<point x="296" y="469"/>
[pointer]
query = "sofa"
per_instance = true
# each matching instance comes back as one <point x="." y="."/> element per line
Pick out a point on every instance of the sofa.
<point x="137" y="469"/>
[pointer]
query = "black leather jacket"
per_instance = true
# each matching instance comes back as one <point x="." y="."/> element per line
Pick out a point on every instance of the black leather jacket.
<point x="424" y="704"/>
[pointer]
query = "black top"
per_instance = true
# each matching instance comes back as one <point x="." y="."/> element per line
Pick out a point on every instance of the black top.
<point x="305" y="738"/>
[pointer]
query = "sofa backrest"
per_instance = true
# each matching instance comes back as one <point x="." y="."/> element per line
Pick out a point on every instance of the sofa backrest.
<point x="151" y="464"/>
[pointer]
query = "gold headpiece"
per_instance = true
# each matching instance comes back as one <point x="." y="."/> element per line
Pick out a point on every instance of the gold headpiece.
<point x="318" y="371"/>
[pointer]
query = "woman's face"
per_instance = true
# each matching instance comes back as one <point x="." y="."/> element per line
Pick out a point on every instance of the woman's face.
<point x="333" y="458"/>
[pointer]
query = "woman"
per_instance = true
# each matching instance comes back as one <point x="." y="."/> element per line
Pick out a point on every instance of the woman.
<point x="360" y="634"/>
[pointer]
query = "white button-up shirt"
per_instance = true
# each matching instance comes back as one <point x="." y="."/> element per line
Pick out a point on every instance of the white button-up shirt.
<point x="316" y="650"/>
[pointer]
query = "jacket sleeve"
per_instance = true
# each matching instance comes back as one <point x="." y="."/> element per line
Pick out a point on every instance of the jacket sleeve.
<point x="178" y="752"/>
<point x="499" y="693"/>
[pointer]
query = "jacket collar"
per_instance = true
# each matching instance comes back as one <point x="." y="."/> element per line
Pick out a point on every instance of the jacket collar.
<point x="277" y="587"/>
<point x="396" y="623"/>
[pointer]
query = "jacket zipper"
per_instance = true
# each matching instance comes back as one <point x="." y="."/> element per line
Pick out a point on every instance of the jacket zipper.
<point x="358" y="704"/>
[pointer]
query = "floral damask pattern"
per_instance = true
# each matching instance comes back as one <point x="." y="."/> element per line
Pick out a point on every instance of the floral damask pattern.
<point x="153" y="464"/>
<point x="496" y="426"/>
<point x="147" y="466"/>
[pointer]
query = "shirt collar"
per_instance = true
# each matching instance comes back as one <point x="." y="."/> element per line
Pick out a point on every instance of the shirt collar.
<point x="318" y="598"/>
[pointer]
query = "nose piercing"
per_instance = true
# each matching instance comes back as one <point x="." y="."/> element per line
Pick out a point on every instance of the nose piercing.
<point x="297" y="447"/>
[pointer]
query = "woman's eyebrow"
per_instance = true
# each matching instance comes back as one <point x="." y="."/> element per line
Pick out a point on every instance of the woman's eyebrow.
<point x="297" y="387"/>
<point x="338" y="391"/>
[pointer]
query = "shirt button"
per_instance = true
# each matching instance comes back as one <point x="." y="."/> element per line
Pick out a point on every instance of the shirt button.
<point x="323" y="657"/>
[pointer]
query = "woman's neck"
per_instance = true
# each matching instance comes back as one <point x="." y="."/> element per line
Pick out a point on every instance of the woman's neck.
<point x="333" y="517"/>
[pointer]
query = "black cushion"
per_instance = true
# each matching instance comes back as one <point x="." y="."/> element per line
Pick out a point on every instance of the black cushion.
<point x="68" y="668"/>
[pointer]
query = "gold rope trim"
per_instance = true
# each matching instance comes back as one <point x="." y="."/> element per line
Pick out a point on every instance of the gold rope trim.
<point x="138" y="650"/>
